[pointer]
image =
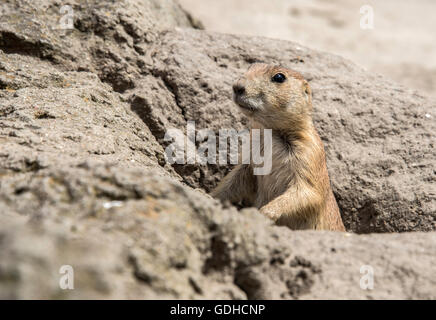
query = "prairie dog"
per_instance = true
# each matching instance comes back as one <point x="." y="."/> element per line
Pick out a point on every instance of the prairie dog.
<point x="297" y="192"/>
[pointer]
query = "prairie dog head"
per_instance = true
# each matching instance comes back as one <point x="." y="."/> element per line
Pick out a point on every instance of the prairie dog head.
<point x="273" y="96"/>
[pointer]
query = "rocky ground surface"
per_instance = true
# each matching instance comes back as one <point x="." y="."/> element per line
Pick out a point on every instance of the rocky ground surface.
<point x="84" y="181"/>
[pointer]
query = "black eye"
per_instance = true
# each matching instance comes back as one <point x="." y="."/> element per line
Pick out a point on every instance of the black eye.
<point x="279" y="77"/>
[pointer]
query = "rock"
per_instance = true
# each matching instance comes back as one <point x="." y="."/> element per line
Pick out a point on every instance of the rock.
<point x="378" y="135"/>
<point x="159" y="246"/>
<point x="168" y="241"/>
<point x="84" y="180"/>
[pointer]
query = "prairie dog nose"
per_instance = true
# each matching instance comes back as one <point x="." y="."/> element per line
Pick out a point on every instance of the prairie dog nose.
<point x="238" y="88"/>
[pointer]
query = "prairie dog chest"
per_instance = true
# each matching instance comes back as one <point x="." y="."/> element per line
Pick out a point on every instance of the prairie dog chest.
<point x="276" y="182"/>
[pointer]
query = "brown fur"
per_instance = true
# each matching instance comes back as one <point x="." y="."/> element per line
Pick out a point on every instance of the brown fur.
<point x="297" y="192"/>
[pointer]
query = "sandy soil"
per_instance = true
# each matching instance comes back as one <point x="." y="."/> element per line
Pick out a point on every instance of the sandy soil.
<point x="401" y="46"/>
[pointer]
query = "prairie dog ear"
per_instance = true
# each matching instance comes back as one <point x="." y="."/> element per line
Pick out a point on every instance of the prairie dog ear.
<point x="307" y="91"/>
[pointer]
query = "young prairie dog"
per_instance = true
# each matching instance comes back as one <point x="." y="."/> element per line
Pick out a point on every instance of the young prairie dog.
<point x="297" y="191"/>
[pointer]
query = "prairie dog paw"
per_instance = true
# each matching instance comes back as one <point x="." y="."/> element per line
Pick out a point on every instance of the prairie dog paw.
<point x="269" y="213"/>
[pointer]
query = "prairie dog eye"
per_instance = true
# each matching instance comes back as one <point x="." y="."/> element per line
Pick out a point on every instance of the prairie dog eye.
<point x="279" y="77"/>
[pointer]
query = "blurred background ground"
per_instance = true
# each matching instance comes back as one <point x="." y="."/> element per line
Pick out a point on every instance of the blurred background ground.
<point x="402" y="45"/>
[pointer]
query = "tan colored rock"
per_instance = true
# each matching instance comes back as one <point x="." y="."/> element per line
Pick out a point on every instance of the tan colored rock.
<point x="83" y="178"/>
